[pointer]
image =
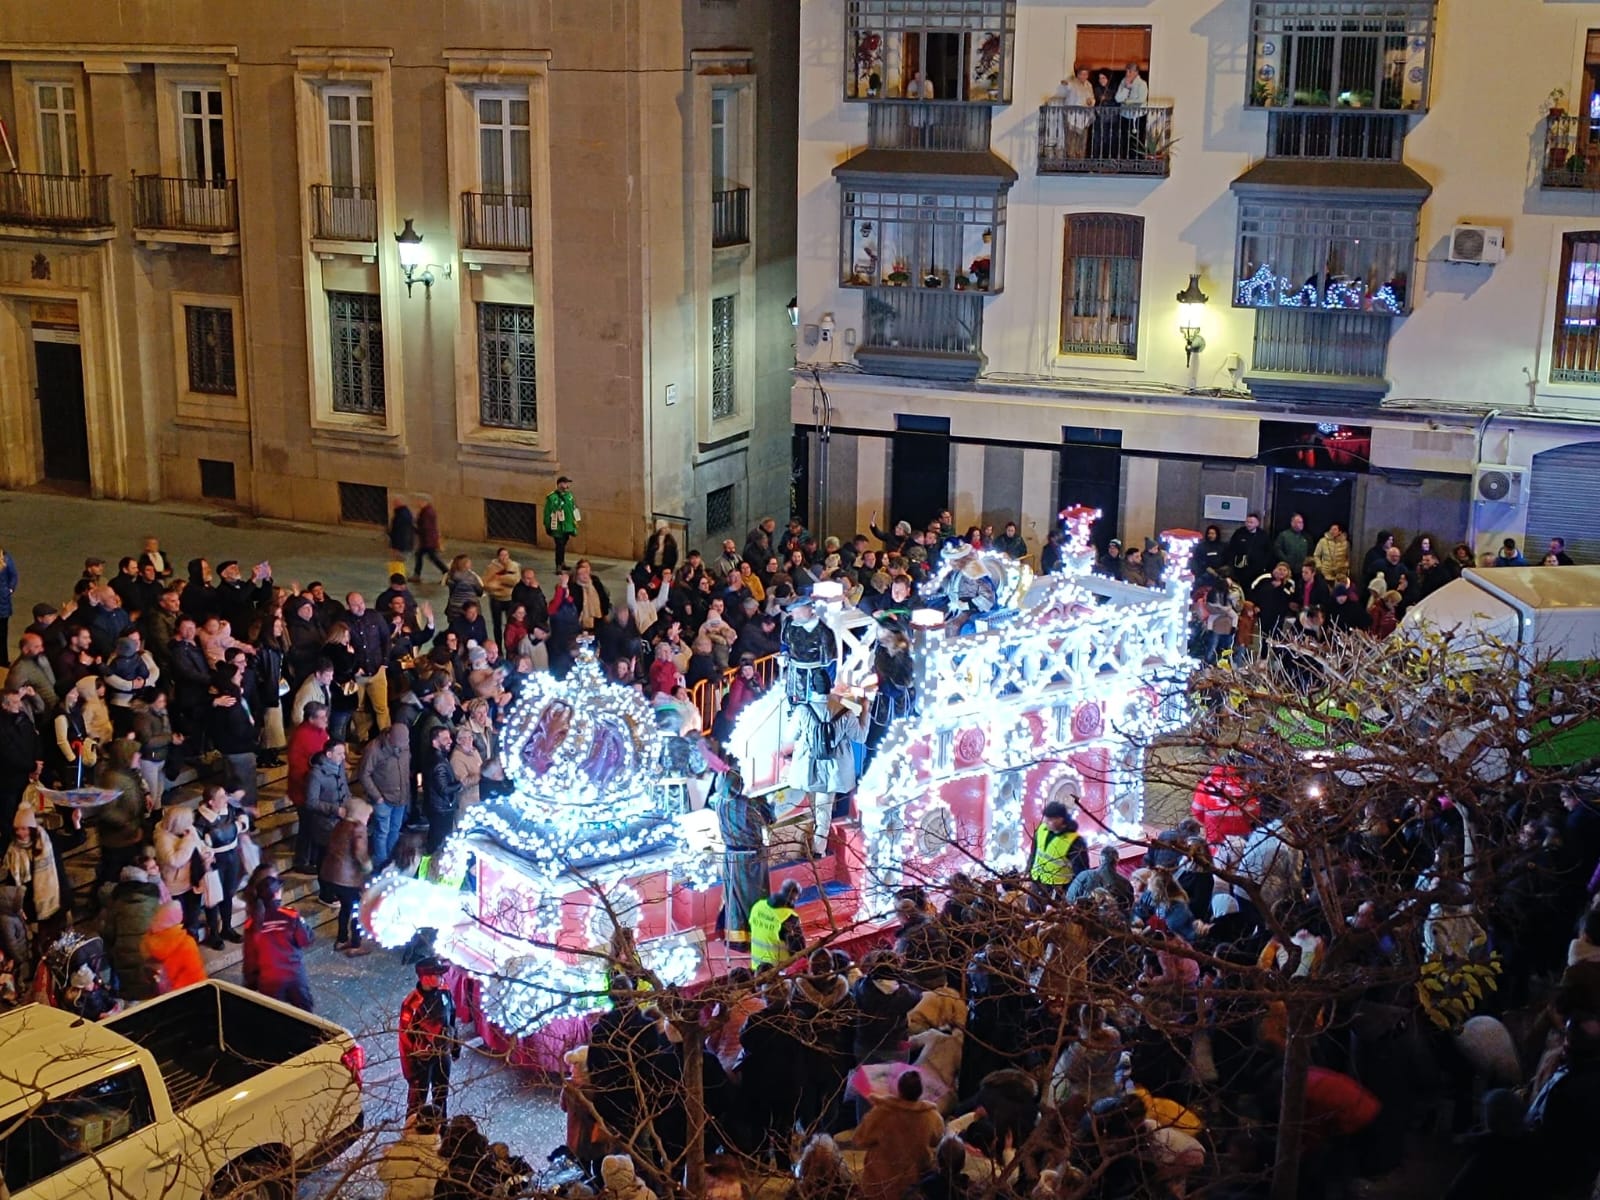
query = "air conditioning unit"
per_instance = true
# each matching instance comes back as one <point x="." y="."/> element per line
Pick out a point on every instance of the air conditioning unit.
<point x="1479" y="244"/>
<point x="1497" y="483"/>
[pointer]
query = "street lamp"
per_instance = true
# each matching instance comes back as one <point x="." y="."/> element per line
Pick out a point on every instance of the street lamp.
<point x="1190" y="303"/>
<point x="408" y="243"/>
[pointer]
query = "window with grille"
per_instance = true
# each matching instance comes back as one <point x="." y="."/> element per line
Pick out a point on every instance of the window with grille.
<point x="724" y="397"/>
<point x="355" y="341"/>
<point x="929" y="49"/>
<point x="507" y="392"/>
<point x="210" y="339"/>
<point x="511" y="521"/>
<point x="1575" y="353"/>
<point x="1100" y="285"/>
<point x="217" y="480"/>
<point x="1356" y="54"/>
<point x="363" y="504"/>
<point x="1305" y="254"/>
<point x="719" y="511"/>
<point x="947" y="241"/>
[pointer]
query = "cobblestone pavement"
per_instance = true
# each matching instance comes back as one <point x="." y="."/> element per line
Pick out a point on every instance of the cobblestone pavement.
<point x="50" y="535"/>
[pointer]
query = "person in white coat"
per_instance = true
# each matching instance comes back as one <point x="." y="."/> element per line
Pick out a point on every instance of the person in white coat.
<point x="411" y="1166"/>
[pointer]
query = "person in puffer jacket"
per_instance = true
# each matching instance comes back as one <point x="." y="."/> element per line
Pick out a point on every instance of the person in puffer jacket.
<point x="622" y="1180"/>
<point x="327" y="792"/>
<point x="127" y="918"/>
<point x="171" y="956"/>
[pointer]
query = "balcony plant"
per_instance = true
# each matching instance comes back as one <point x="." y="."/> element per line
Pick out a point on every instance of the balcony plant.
<point x="961" y="281"/>
<point x="1556" y="103"/>
<point x="933" y="279"/>
<point x="868" y="48"/>
<point x="979" y="270"/>
<point x="1265" y="94"/>
<point x="898" y="275"/>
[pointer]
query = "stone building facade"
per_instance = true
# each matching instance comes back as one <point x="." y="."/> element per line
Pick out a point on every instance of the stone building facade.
<point x="202" y="295"/>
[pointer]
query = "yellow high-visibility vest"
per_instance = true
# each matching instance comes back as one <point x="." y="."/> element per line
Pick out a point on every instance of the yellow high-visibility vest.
<point x="766" y="934"/>
<point x="1050" y="866"/>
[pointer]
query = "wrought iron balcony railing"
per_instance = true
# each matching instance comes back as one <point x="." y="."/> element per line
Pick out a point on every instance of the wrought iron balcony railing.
<point x="1110" y="140"/>
<point x="185" y="205"/>
<point x="497" y="220"/>
<point x="55" y="201"/>
<point x="730" y="217"/>
<point x="1571" y="157"/>
<point x="344" y="214"/>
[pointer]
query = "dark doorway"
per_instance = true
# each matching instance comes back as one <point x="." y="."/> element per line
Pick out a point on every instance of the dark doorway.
<point x="1320" y="497"/>
<point x="1091" y="473"/>
<point x="943" y="68"/>
<point x="63" y="425"/>
<point x="919" y="470"/>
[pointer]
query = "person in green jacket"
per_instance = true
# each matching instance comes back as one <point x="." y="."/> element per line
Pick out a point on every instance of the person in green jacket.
<point x="561" y="518"/>
<point x="121" y="822"/>
<point x="1291" y="545"/>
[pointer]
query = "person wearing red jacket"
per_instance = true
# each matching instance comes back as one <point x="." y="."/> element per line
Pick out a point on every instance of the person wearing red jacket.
<point x="427" y="1039"/>
<point x="308" y="740"/>
<point x="274" y="938"/>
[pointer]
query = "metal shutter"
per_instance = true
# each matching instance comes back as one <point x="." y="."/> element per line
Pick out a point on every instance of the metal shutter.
<point x="1564" y="501"/>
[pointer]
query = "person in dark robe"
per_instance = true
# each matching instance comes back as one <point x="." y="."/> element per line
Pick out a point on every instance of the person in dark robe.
<point x="743" y="820"/>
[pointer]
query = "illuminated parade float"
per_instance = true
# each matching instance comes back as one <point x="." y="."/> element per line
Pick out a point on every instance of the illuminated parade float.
<point x="1022" y="690"/>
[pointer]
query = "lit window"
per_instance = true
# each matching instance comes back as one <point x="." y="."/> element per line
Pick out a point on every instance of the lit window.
<point x="1100" y="284"/>
<point x="1575" y="354"/>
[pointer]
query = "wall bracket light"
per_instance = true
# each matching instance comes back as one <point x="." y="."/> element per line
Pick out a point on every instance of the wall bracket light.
<point x="1190" y="303"/>
<point x="413" y="264"/>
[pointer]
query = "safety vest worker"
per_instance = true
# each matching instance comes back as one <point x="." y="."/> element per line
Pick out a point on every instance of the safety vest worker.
<point x="775" y="934"/>
<point x="1057" y="848"/>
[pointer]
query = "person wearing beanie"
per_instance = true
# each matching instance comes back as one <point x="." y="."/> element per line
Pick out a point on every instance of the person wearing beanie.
<point x="621" y="1179"/>
<point x="30" y="862"/>
<point x="127" y="917"/>
<point x="171" y="956"/>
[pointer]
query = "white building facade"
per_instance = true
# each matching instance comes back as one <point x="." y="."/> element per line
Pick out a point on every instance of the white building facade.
<point x="990" y="260"/>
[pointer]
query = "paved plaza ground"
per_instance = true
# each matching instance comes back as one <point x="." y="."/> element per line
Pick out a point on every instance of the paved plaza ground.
<point x="50" y="535"/>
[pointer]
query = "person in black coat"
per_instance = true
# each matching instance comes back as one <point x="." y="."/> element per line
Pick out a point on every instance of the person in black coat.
<point x="21" y="753"/>
<point x="530" y="595"/>
<point x="773" y="1066"/>
<point x="402" y="531"/>
<point x="440" y="788"/>
<point x="1249" y="550"/>
<point x="882" y="1001"/>
<point x="1210" y="553"/>
<point x="199" y="598"/>
<point x="619" y="1043"/>
<point x="1272" y="594"/>
<point x="191" y="680"/>
<point x="238" y="598"/>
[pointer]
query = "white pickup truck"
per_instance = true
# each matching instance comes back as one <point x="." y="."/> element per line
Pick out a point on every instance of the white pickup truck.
<point x="208" y="1093"/>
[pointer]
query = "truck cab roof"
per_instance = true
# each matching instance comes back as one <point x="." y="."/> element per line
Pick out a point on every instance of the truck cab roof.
<point x="43" y="1047"/>
<point x="1543" y="587"/>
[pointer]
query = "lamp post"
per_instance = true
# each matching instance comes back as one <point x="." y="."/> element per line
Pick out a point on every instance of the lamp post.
<point x="1190" y="303"/>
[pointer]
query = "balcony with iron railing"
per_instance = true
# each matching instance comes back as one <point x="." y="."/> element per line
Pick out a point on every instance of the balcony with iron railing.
<point x="1329" y="354"/>
<point x="1364" y="136"/>
<point x="730" y="217"/>
<point x="1110" y="140"/>
<point x="1571" y="157"/>
<point x="341" y="213"/>
<point x="927" y="125"/>
<point x="195" y="206"/>
<point x="64" y="203"/>
<point x="922" y="332"/>
<point x="497" y="221"/>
